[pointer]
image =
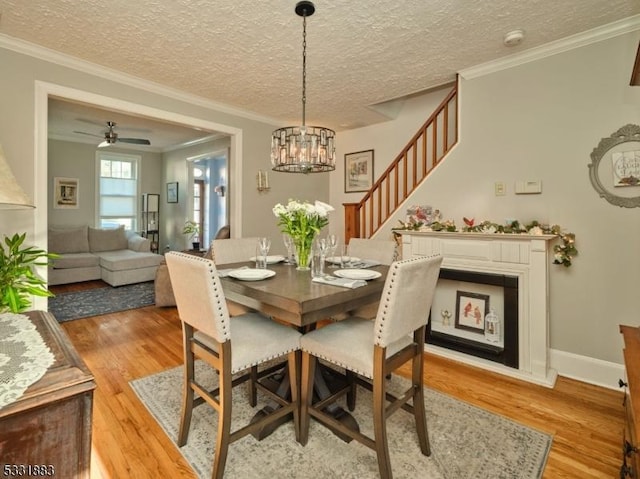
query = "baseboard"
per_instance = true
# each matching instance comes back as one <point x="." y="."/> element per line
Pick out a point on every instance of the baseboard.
<point x="586" y="369"/>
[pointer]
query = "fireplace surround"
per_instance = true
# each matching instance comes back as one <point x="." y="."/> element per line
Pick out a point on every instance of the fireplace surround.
<point x="523" y="259"/>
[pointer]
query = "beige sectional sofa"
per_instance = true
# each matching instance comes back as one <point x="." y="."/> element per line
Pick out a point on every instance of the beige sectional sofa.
<point x="114" y="255"/>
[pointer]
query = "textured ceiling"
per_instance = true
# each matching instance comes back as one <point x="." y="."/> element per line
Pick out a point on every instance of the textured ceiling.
<point x="249" y="54"/>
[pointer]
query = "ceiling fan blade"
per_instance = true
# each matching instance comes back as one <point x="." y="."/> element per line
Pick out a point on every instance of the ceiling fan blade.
<point x="136" y="141"/>
<point x="90" y="134"/>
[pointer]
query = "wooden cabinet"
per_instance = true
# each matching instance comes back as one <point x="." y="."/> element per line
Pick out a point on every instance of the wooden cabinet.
<point x="50" y="425"/>
<point x="630" y="460"/>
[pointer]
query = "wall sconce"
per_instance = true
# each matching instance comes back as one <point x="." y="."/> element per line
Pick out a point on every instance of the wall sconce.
<point x="262" y="180"/>
<point x="220" y="190"/>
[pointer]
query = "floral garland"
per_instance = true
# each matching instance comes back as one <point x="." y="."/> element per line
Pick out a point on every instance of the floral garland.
<point x="563" y="252"/>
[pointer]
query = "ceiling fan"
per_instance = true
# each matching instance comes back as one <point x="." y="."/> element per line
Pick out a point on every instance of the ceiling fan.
<point x="111" y="137"/>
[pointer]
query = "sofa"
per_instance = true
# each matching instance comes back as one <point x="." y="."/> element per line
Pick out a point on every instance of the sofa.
<point x="113" y="255"/>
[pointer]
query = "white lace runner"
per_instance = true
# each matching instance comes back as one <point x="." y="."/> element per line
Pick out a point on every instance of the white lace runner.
<point x="24" y="356"/>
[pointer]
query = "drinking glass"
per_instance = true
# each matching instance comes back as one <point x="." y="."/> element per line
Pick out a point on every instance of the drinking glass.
<point x="332" y="243"/>
<point x="262" y="250"/>
<point x="345" y="259"/>
<point x="288" y="243"/>
<point x="319" y="250"/>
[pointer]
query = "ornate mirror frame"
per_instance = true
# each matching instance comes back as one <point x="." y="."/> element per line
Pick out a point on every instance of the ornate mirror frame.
<point x="625" y="140"/>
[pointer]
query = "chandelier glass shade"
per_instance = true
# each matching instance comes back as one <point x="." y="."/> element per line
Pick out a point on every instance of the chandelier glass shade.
<point x="303" y="149"/>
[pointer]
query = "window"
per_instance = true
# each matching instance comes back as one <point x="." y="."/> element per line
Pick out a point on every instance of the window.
<point x="117" y="190"/>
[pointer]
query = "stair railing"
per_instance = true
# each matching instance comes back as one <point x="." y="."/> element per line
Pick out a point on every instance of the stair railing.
<point x="415" y="162"/>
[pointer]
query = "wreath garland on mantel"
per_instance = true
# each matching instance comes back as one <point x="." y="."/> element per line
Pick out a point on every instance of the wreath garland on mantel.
<point x="563" y="253"/>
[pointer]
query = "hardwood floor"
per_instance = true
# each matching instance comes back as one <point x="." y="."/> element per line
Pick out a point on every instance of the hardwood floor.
<point x="586" y="421"/>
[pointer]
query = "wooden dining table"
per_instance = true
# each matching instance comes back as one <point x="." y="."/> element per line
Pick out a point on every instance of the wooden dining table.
<point x="291" y="296"/>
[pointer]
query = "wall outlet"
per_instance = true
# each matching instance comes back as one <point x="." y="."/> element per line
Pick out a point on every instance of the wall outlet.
<point x="500" y="188"/>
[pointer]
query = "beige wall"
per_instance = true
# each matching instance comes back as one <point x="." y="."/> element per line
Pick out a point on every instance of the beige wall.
<point x="540" y="121"/>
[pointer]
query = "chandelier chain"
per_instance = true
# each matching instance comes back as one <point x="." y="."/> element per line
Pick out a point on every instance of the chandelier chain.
<point x="304" y="67"/>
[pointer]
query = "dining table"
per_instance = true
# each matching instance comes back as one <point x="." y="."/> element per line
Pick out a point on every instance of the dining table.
<point x="292" y="297"/>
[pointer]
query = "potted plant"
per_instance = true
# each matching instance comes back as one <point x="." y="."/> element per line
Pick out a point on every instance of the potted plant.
<point x="192" y="229"/>
<point x="18" y="280"/>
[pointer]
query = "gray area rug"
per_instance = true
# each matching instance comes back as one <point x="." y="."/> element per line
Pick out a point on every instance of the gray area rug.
<point x="466" y="442"/>
<point x="93" y="302"/>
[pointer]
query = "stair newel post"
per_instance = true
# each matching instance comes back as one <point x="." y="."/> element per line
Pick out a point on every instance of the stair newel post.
<point x="351" y="221"/>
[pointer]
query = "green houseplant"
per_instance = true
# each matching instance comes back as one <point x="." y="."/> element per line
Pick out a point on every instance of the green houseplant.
<point x="18" y="280"/>
<point x="192" y="229"/>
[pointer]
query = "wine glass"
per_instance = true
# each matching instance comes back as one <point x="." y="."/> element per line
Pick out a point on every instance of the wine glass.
<point x="288" y="243"/>
<point x="332" y="243"/>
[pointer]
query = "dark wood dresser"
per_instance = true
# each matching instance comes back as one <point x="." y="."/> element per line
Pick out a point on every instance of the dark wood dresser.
<point x="630" y="460"/>
<point x="47" y="432"/>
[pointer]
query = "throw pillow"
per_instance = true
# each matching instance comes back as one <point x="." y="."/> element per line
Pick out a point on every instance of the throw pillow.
<point x="68" y="240"/>
<point x="107" y="239"/>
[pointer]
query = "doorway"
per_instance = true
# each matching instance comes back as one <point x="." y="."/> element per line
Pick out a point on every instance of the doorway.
<point x="208" y="176"/>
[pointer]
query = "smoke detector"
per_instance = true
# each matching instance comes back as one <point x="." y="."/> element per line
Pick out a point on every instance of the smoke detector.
<point x="513" y="38"/>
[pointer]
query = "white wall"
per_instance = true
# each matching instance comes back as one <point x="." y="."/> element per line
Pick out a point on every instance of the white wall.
<point x="540" y="121"/>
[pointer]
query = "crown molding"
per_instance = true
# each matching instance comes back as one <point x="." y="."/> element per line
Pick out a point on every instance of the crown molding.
<point x="46" y="54"/>
<point x="595" y="35"/>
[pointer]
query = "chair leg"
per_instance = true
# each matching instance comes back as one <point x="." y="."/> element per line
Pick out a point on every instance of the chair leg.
<point x="379" y="416"/>
<point x="224" y="418"/>
<point x="307" y="373"/>
<point x="353" y="387"/>
<point x="253" y="391"/>
<point x="418" y="405"/>
<point x="187" y="390"/>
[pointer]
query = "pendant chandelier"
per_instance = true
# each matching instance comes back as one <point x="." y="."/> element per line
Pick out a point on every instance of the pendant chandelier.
<point x="303" y="149"/>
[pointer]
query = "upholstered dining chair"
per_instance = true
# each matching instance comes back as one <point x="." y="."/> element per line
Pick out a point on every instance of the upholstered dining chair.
<point x="367" y="248"/>
<point x="371" y="349"/>
<point x="384" y="251"/>
<point x="230" y="346"/>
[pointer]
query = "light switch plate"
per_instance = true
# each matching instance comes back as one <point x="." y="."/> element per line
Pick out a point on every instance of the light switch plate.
<point x="501" y="188"/>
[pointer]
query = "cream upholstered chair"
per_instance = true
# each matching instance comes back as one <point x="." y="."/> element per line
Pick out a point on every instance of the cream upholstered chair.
<point x="372" y="349"/>
<point x="385" y="252"/>
<point x="233" y="250"/>
<point x="379" y="250"/>
<point x="230" y="346"/>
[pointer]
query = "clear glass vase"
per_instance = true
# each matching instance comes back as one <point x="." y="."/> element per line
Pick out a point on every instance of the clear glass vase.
<point x="303" y="253"/>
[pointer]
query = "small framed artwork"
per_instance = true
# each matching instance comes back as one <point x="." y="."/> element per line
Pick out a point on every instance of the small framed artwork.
<point x="471" y="309"/>
<point x="172" y="192"/>
<point x="65" y="193"/>
<point x="358" y="171"/>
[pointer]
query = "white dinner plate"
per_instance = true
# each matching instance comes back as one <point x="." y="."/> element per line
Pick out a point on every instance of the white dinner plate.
<point x="270" y="259"/>
<point x="336" y="259"/>
<point x="357" y="274"/>
<point x="248" y="274"/>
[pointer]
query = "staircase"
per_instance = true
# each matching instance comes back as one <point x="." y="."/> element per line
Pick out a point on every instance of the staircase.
<point x="414" y="163"/>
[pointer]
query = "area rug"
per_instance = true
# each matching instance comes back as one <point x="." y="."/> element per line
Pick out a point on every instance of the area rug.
<point x="93" y="302"/>
<point x="466" y="442"/>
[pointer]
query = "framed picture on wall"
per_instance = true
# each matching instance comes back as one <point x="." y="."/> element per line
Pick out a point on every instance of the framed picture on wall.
<point x="65" y="193"/>
<point x="172" y="192"/>
<point x="358" y="171"/>
<point x="471" y="309"/>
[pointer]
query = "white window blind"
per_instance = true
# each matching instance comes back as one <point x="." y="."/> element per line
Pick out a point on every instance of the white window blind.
<point x="118" y="190"/>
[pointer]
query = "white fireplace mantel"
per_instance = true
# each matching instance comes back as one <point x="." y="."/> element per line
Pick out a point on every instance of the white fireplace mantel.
<point x="526" y="257"/>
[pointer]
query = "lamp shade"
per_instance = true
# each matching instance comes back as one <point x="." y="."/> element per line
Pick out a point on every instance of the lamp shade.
<point x="11" y="195"/>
